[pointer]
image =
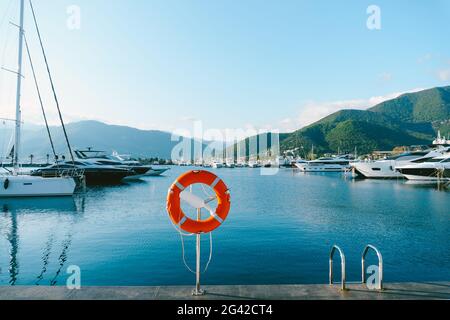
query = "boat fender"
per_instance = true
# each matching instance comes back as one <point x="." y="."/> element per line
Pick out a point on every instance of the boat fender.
<point x="6" y="184"/>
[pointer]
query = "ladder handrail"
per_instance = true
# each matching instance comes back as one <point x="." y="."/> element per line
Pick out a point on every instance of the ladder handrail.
<point x="341" y="253"/>
<point x="380" y="265"/>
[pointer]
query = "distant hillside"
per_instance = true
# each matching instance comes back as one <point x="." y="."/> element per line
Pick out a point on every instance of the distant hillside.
<point x="410" y="119"/>
<point x="425" y="106"/>
<point x="101" y="136"/>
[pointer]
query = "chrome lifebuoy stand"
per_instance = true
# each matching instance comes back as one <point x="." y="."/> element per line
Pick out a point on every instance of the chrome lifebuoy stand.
<point x="198" y="291"/>
<point x="190" y="227"/>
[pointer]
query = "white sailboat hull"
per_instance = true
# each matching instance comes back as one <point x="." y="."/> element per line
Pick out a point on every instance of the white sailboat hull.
<point x="30" y="186"/>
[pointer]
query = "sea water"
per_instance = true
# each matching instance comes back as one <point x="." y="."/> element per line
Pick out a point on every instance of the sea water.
<point x="279" y="231"/>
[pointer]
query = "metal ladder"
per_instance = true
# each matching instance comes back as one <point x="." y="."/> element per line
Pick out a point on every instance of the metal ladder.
<point x="363" y="264"/>
<point x="380" y="265"/>
<point x="341" y="253"/>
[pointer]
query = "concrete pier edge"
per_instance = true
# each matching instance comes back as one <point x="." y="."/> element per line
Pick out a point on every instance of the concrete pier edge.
<point x="392" y="291"/>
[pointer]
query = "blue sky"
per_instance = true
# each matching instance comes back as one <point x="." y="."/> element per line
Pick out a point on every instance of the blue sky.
<point x="283" y="64"/>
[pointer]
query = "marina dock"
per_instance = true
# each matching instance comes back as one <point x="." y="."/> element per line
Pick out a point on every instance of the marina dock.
<point x="392" y="291"/>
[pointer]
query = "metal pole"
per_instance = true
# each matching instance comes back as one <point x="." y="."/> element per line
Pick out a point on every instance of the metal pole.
<point x="19" y="88"/>
<point x="198" y="291"/>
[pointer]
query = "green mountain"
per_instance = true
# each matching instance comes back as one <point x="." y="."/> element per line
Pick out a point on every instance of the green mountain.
<point x="411" y="119"/>
<point x="425" y="106"/>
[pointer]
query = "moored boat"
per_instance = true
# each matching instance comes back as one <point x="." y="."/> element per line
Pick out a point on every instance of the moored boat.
<point x="325" y="164"/>
<point x="94" y="174"/>
<point x="15" y="183"/>
<point x="436" y="169"/>
<point x="100" y="158"/>
<point x="217" y="165"/>
<point x="386" y="169"/>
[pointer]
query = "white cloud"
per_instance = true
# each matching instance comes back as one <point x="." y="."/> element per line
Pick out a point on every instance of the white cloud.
<point x="385" y="76"/>
<point x="425" y="58"/>
<point x="444" y="74"/>
<point x="313" y="111"/>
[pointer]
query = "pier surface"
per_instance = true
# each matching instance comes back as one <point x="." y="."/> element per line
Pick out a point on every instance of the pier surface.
<point x="398" y="291"/>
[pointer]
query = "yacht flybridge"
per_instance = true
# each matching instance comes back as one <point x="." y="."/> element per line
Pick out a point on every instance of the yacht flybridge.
<point x="14" y="183"/>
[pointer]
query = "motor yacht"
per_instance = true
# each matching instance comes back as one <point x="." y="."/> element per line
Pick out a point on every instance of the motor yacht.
<point x="94" y="174"/>
<point x="217" y="165"/>
<point x="325" y="164"/>
<point x="386" y="169"/>
<point x="100" y="158"/>
<point x="436" y="169"/>
<point x="254" y="164"/>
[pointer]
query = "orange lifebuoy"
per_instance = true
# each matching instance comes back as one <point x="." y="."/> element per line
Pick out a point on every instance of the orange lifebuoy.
<point x="198" y="226"/>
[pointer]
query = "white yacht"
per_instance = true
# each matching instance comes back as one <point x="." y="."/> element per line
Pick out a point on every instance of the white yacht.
<point x="325" y="164"/>
<point x="230" y="165"/>
<point x="124" y="162"/>
<point x="386" y="169"/>
<point x="254" y="164"/>
<point x="436" y="169"/>
<point x="298" y="161"/>
<point x="14" y="183"/>
<point x="217" y="165"/>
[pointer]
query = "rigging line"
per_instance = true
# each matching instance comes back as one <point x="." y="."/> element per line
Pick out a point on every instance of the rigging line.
<point x="40" y="97"/>
<point x="51" y="82"/>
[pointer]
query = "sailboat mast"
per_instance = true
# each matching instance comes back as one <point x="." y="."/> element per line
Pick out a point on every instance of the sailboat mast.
<point x="19" y="90"/>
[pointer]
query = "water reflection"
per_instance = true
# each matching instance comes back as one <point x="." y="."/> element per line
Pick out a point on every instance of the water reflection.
<point x="13" y="239"/>
<point x="32" y="205"/>
<point x="440" y="186"/>
<point x="62" y="258"/>
<point x="15" y="209"/>
<point x="46" y="258"/>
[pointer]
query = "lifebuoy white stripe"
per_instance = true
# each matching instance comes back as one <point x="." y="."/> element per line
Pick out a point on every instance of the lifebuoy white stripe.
<point x="215" y="182"/>
<point x="179" y="186"/>
<point x="182" y="221"/>
<point x="217" y="217"/>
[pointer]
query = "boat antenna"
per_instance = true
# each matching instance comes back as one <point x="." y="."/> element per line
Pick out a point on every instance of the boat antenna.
<point x="51" y="81"/>
<point x="40" y="97"/>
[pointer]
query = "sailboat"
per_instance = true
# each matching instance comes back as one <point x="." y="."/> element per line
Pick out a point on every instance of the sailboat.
<point x="14" y="183"/>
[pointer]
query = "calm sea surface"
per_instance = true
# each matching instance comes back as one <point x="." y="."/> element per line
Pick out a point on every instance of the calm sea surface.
<point x="280" y="230"/>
